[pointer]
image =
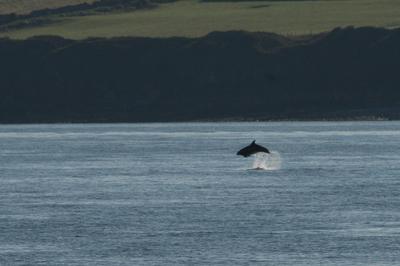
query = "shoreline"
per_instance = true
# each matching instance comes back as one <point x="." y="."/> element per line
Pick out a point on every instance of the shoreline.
<point x="352" y="119"/>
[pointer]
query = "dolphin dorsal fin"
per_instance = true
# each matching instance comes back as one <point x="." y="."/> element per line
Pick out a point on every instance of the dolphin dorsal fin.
<point x="254" y="142"/>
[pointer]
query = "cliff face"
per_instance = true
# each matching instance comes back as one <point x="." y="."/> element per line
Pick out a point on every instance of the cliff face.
<point x="224" y="75"/>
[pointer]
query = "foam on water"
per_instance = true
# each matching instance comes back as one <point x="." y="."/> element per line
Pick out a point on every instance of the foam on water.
<point x="265" y="161"/>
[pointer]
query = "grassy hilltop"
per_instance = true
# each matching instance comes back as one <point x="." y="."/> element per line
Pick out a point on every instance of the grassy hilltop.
<point x="193" y="18"/>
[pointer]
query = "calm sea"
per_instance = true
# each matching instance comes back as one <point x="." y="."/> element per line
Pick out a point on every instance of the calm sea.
<point x="177" y="194"/>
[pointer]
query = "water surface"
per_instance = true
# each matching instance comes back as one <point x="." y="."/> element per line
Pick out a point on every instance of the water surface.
<point x="176" y="194"/>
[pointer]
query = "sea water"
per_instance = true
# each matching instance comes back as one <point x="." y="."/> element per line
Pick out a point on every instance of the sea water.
<point x="177" y="194"/>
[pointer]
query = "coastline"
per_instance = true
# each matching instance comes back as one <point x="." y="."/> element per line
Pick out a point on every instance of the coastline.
<point x="225" y="120"/>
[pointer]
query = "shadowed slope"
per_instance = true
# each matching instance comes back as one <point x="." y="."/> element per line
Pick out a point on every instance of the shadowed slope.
<point x="346" y="73"/>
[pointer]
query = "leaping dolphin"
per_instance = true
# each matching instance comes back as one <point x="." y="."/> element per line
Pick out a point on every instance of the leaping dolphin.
<point x="252" y="149"/>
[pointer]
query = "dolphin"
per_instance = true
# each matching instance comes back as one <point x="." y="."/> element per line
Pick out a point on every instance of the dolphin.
<point x="252" y="149"/>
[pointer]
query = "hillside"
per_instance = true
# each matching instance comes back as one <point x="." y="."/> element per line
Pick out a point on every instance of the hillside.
<point x="195" y="18"/>
<point x="346" y="73"/>
<point x="27" y="6"/>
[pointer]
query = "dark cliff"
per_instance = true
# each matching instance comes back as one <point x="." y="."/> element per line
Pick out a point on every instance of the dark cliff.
<point x="342" y="74"/>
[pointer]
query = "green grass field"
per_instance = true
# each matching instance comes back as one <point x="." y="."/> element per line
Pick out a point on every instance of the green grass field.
<point x="26" y="6"/>
<point x="193" y="18"/>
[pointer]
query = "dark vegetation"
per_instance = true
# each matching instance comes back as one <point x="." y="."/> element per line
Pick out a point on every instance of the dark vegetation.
<point x="210" y="1"/>
<point x="12" y="21"/>
<point x="343" y="74"/>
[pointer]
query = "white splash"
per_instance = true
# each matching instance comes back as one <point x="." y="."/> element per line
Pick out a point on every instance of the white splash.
<point x="265" y="161"/>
